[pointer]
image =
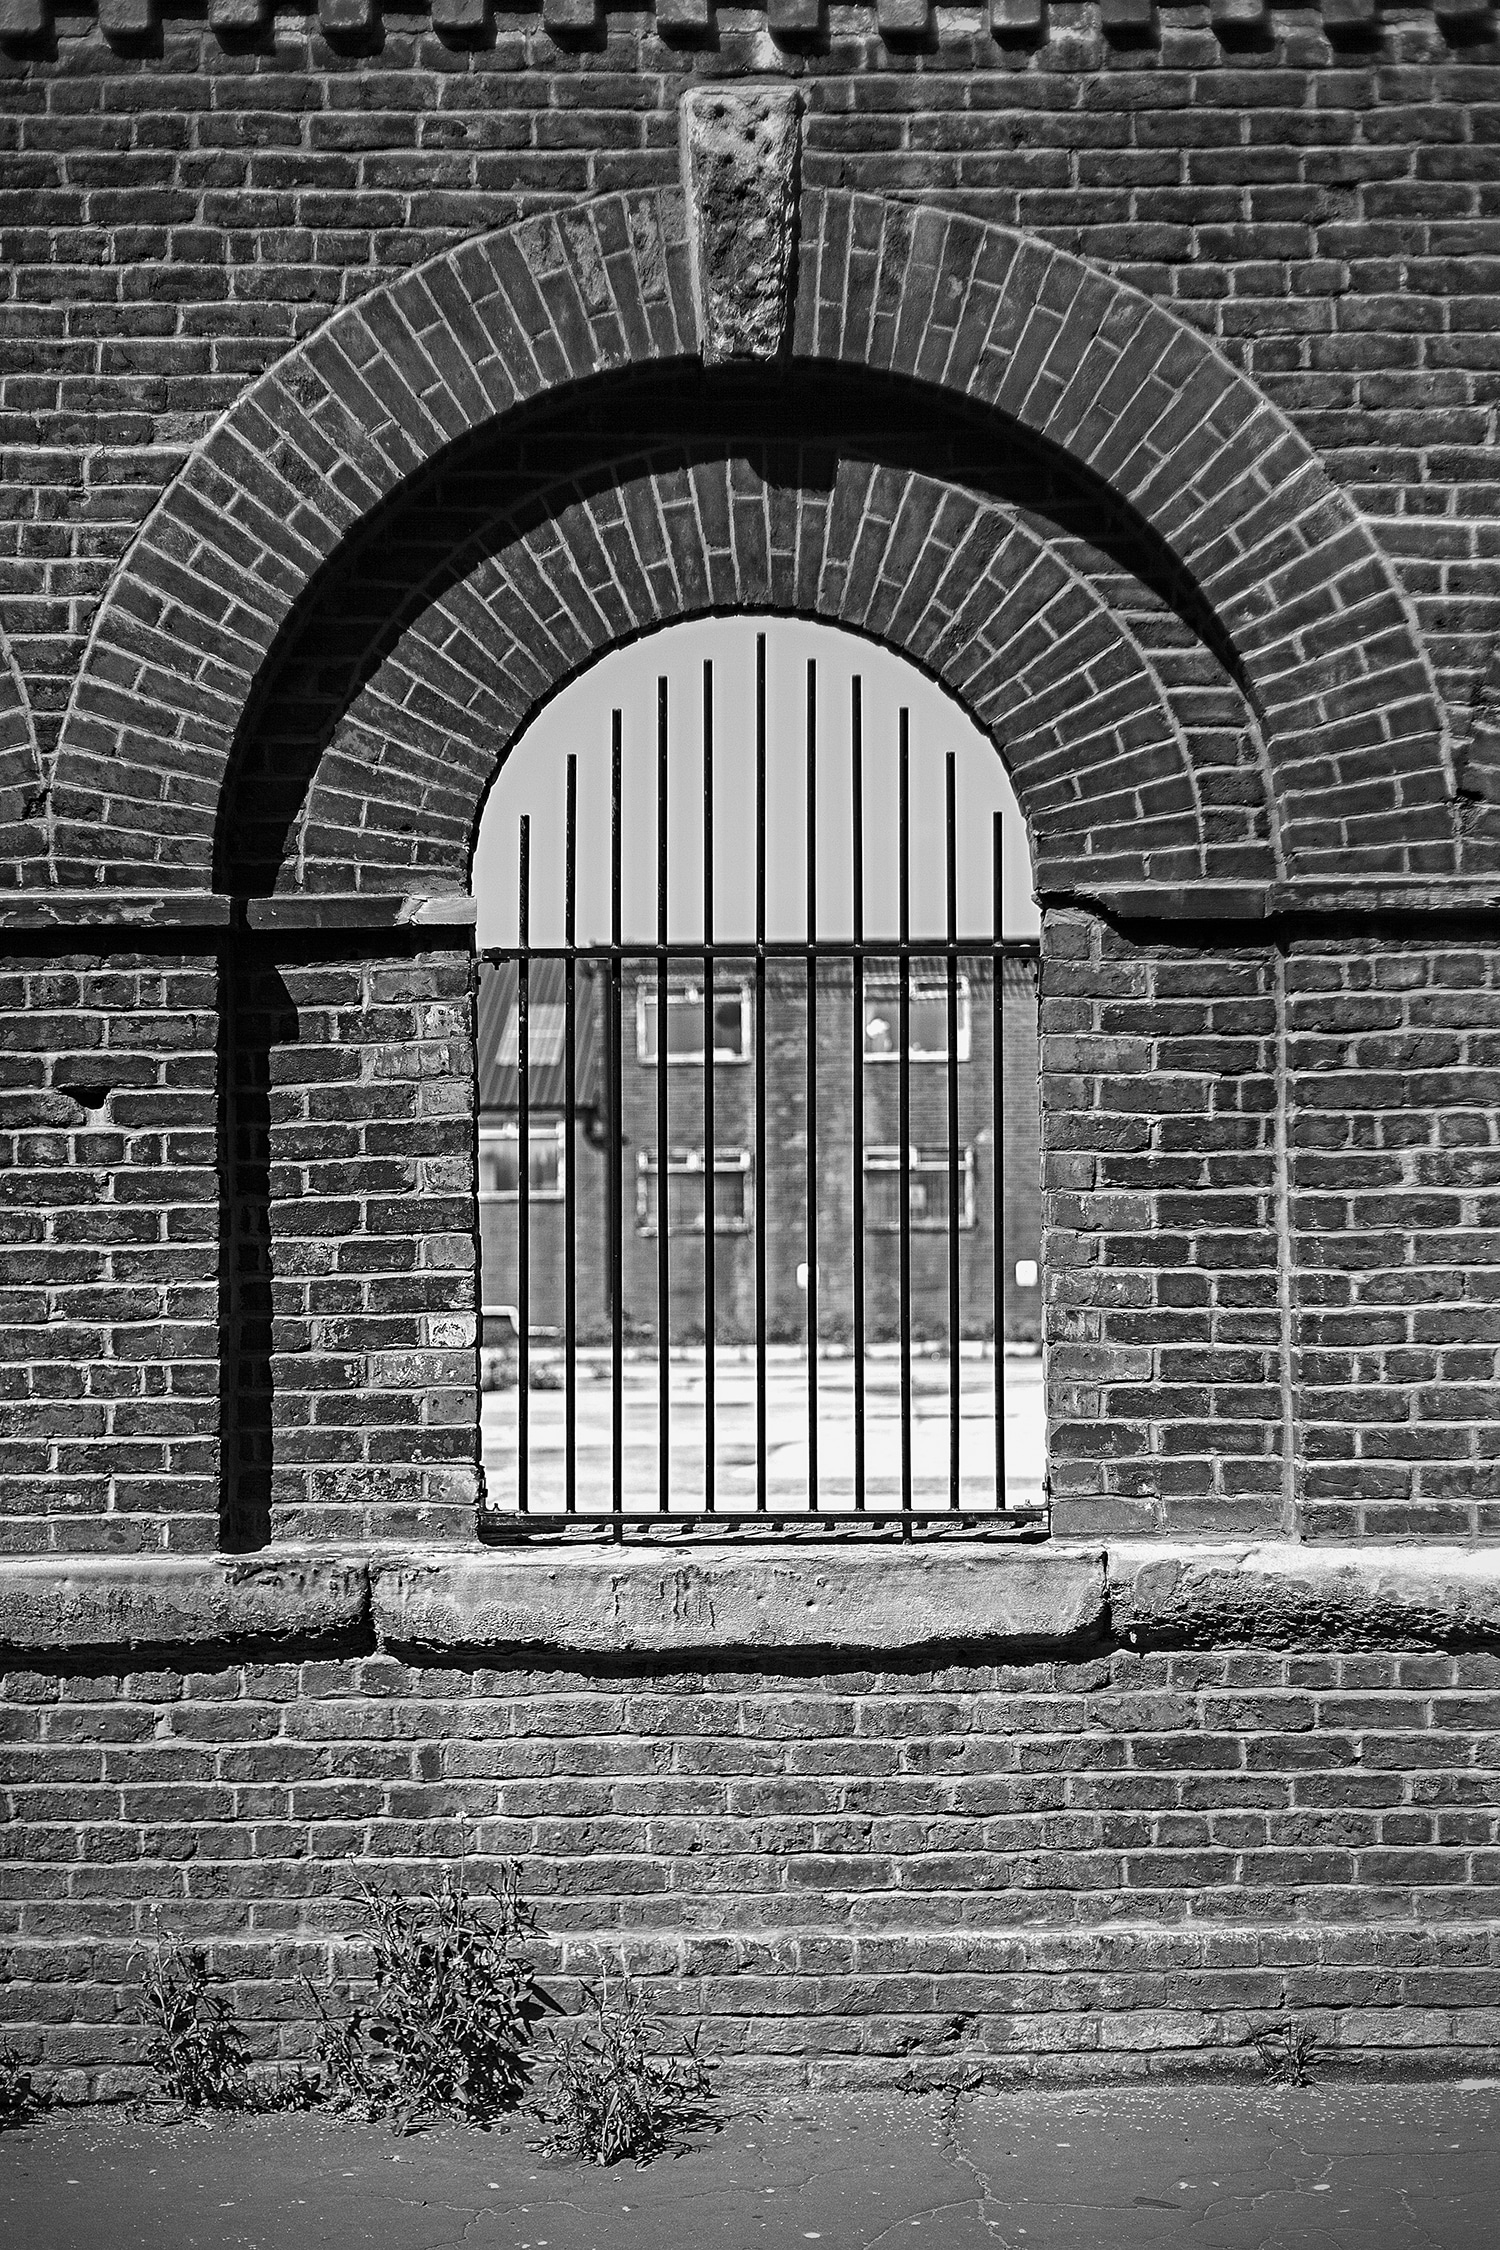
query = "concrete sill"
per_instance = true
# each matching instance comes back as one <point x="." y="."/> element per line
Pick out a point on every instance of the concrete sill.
<point x="821" y="1597"/>
<point x="471" y="1603"/>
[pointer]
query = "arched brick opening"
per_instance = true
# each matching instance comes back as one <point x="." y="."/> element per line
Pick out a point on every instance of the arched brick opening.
<point x="1043" y="342"/>
<point x="1061" y="628"/>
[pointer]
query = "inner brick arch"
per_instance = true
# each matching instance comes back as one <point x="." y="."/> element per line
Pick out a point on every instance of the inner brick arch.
<point x="1047" y="343"/>
<point x="364" y="766"/>
<point x="25" y="806"/>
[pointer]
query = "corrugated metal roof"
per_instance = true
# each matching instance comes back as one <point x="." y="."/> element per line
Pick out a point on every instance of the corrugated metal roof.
<point x="499" y="1079"/>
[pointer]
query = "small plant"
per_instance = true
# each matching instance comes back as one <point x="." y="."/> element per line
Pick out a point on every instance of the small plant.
<point x="609" y="2095"/>
<point x="196" y="2049"/>
<point x="448" y="2029"/>
<point x="1286" y="2053"/>
<point x="19" y="2099"/>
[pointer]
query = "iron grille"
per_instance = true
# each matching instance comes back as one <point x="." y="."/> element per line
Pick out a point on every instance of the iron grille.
<point x="932" y="968"/>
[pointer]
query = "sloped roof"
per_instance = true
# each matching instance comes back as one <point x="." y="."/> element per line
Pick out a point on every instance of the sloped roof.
<point x="499" y="1077"/>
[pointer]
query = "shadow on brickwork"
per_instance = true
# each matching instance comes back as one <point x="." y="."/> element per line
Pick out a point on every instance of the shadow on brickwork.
<point x="488" y="493"/>
<point x="259" y="1015"/>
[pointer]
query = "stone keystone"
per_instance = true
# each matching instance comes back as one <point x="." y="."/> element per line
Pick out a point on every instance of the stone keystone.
<point x="739" y="150"/>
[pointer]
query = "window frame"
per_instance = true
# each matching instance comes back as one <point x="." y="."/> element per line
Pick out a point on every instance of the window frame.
<point x="689" y="1163"/>
<point x="884" y="1158"/>
<point x="928" y="988"/>
<point x="537" y="1129"/>
<point x="690" y="994"/>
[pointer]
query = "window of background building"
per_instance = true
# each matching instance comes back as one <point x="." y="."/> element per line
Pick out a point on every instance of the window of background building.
<point x="499" y="1161"/>
<point x="685" y="1023"/>
<point x="928" y="1033"/>
<point x="687" y="1179"/>
<point x="928" y="1189"/>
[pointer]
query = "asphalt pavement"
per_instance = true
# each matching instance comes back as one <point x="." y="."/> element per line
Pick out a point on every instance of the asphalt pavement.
<point x="1226" y="2168"/>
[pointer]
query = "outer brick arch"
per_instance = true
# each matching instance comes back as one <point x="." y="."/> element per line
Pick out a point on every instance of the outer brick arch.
<point x="1133" y="756"/>
<point x="1352" y="726"/>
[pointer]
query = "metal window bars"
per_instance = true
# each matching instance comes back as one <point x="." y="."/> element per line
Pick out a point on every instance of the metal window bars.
<point x="902" y="1511"/>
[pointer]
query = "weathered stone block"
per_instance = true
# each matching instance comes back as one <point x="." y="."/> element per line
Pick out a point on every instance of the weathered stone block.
<point x="684" y="19"/>
<point x="106" y="1605"/>
<point x="127" y="19"/>
<point x="1284" y="1596"/>
<point x="824" y="1597"/>
<point x="347" y="19"/>
<point x="740" y="148"/>
<point x="904" y="20"/>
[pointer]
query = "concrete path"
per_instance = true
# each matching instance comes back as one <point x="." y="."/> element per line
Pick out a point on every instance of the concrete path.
<point x="786" y="1431"/>
<point x="1252" y="2168"/>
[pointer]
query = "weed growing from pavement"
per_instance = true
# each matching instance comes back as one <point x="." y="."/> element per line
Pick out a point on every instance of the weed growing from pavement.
<point x="1287" y="2052"/>
<point x="448" y="2028"/>
<point x="444" y="2027"/>
<point x="19" y="2099"/>
<point x="609" y="2095"/>
<point x="197" y="2049"/>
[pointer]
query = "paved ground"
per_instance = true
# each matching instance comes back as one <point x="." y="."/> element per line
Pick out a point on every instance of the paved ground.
<point x="1393" y="2168"/>
<point x="786" y="1430"/>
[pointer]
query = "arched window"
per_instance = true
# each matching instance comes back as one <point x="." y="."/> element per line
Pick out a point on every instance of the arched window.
<point x="758" y="977"/>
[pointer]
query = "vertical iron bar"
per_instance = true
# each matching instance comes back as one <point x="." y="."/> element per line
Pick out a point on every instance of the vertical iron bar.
<point x="812" y="1087"/>
<point x="523" y="1173"/>
<point x="903" y="1081"/>
<point x="711" y="1180"/>
<point x="997" y="1216"/>
<point x="570" y="1103"/>
<point x="955" y="1371"/>
<point x="760" y="1072"/>
<point x="616" y="1142"/>
<point x="857" y="855"/>
<point x="663" y="1152"/>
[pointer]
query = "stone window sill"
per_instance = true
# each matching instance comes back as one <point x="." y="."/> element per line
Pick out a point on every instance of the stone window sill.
<point x="587" y="1605"/>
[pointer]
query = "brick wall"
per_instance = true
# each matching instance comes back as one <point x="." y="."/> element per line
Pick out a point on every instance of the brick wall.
<point x="177" y="220"/>
<point x="109" y="1250"/>
<point x="1164" y="1223"/>
<point x="354" y="1401"/>
<point x="1106" y="1866"/>
<point x="1393" y="1062"/>
<point x="350" y="402"/>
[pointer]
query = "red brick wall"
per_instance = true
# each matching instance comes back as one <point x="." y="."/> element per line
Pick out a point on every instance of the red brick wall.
<point x="1164" y="1218"/>
<point x="177" y="221"/>
<point x="109" y="1250"/>
<point x="1393" y="1081"/>
<point x="354" y="1404"/>
<point x="1118" y="1865"/>
<point x="1222" y="633"/>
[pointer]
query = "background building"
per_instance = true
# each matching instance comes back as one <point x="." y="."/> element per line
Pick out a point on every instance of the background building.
<point x="782" y="1182"/>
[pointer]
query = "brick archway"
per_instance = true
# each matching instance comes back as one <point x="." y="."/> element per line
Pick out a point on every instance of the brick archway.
<point x="1055" y="349"/>
<point x="1135" y="754"/>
